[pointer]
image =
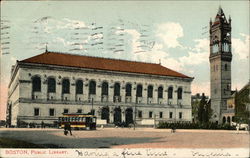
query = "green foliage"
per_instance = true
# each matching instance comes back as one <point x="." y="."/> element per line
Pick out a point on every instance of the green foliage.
<point x="188" y="125"/>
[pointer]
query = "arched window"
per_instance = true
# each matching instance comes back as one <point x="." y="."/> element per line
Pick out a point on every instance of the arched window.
<point x="228" y="119"/>
<point x="51" y="85"/>
<point x="139" y="91"/>
<point x="105" y="88"/>
<point x="79" y="87"/>
<point x="224" y="120"/>
<point x="160" y="92"/>
<point x="117" y="89"/>
<point x="150" y="91"/>
<point x="170" y="93"/>
<point x="65" y="86"/>
<point x="92" y="87"/>
<point x="36" y="84"/>
<point x="128" y="89"/>
<point x="179" y="93"/>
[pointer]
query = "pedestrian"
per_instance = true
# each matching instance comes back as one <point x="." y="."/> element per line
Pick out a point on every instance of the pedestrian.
<point x="42" y="124"/>
<point x="69" y="128"/>
<point x="65" y="129"/>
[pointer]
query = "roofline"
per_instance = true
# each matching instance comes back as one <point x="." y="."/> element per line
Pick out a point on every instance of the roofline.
<point x="110" y="59"/>
<point x="190" y="79"/>
<point x="95" y="57"/>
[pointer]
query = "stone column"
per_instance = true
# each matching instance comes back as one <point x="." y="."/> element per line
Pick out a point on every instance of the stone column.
<point x="133" y="92"/>
<point x="98" y="90"/>
<point x="44" y="87"/>
<point x="155" y="94"/>
<point x="85" y="90"/>
<point x="111" y="92"/>
<point x="58" y="88"/>
<point x="123" y="114"/>
<point x="144" y="93"/>
<point x="123" y="91"/>
<point x="72" y="89"/>
<point x="111" y="115"/>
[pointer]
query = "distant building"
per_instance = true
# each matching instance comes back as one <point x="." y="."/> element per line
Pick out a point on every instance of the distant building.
<point x="45" y="86"/>
<point x="242" y="103"/>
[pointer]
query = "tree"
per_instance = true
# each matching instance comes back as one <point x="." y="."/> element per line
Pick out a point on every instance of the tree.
<point x="201" y="109"/>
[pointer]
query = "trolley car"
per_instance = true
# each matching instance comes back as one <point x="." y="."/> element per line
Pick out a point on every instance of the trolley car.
<point x="78" y="121"/>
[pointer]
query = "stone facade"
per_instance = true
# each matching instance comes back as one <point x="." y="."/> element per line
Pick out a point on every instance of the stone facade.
<point x="220" y="65"/>
<point x="32" y="97"/>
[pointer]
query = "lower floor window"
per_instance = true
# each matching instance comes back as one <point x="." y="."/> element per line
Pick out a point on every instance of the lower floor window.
<point x="65" y="111"/>
<point x="140" y="114"/>
<point x="51" y="112"/>
<point x="79" y="111"/>
<point x="36" y="112"/>
<point x="150" y="114"/>
<point x="161" y="114"/>
<point x="170" y="114"/>
<point x="180" y="115"/>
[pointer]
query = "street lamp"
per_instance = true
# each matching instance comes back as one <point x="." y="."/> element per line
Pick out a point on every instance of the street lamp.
<point x="135" y="113"/>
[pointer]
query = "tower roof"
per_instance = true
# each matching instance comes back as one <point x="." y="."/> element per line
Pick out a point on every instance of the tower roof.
<point x="220" y="16"/>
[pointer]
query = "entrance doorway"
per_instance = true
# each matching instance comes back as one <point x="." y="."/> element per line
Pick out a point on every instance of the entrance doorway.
<point x="117" y="115"/>
<point x="129" y="116"/>
<point x="105" y="114"/>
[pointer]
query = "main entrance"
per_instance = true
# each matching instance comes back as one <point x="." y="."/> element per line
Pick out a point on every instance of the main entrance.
<point x="117" y="115"/>
<point x="129" y="116"/>
<point x="105" y="114"/>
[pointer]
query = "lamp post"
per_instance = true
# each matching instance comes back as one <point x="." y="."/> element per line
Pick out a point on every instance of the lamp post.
<point x="92" y="102"/>
<point x="135" y="113"/>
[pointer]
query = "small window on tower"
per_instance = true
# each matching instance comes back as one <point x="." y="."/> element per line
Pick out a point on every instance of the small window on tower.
<point x="225" y="67"/>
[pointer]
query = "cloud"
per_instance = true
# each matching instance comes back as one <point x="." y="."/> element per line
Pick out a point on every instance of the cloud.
<point x="170" y="33"/>
<point x="199" y="55"/>
<point x="241" y="47"/>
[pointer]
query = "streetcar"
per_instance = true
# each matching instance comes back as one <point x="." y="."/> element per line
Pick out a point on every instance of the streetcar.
<point x="78" y="121"/>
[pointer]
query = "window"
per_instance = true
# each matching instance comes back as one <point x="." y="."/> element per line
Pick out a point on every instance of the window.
<point x="179" y="93"/>
<point x="65" y="111"/>
<point x="150" y="91"/>
<point x="140" y="114"/>
<point x="128" y="89"/>
<point x="93" y="112"/>
<point x="36" y="84"/>
<point x="161" y="114"/>
<point x="150" y="114"/>
<point x="92" y="87"/>
<point x="105" y="88"/>
<point x="160" y="92"/>
<point x="51" y="85"/>
<point x="180" y="115"/>
<point x="65" y="86"/>
<point x="79" y="87"/>
<point x="170" y="114"/>
<point x="79" y="111"/>
<point x="117" y="89"/>
<point x="36" y="112"/>
<point x="51" y="112"/>
<point x="139" y="91"/>
<point x="170" y="92"/>
<point x="225" y="67"/>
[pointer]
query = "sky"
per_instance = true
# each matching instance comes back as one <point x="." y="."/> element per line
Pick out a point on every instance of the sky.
<point x="175" y="34"/>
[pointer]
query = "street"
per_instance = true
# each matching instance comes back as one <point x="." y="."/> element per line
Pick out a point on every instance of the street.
<point x="129" y="138"/>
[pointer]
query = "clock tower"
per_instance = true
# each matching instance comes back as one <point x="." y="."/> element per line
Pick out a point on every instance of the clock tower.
<point x="220" y="64"/>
